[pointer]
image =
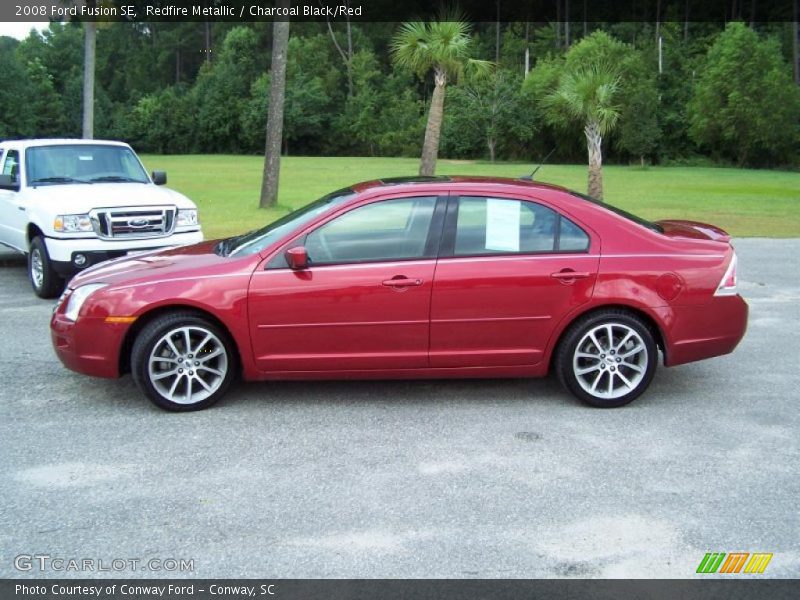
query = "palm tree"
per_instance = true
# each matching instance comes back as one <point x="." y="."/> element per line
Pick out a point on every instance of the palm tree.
<point x="588" y="94"/>
<point x="442" y="46"/>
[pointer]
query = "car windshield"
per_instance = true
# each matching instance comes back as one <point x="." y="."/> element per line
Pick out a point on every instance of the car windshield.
<point x="622" y="213"/>
<point x="83" y="163"/>
<point x="257" y="240"/>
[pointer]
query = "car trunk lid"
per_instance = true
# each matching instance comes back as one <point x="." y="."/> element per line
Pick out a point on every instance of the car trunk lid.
<point x="693" y="230"/>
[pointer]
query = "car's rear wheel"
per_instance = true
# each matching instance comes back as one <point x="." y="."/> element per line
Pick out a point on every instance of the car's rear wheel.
<point x="182" y="361"/>
<point x="607" y="359"/>
<point x="45" y="281"/>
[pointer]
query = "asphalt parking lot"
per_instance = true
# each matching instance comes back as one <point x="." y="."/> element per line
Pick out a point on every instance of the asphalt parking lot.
<point x="495" y="479"/>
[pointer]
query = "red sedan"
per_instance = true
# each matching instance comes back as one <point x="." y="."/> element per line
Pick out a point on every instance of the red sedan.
<point x="413" y="278"/>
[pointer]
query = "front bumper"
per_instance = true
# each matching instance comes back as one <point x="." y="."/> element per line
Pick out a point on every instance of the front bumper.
<point x="699" y="332"/>
<point x="89" y="345"/>
<point x="63" y="252"/>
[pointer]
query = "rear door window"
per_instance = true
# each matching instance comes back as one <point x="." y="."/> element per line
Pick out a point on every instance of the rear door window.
<point x="571" y="238"/>
<point x="502" y="226"/>
<point x="497" y="226"/>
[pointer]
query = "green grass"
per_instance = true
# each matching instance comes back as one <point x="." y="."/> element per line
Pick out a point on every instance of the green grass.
<point x="744" y="202"/>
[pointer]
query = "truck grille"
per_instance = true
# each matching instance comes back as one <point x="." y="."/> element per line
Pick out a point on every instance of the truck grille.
<point x="133" y="222"/>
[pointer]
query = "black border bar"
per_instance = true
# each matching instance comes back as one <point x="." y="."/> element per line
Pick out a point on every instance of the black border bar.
<point x="535" y="11"/>
<point x="739" y="588"/>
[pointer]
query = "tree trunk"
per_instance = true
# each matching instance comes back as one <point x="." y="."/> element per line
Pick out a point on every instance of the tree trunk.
<point x="347" y="58"/>
<point x="491" y="143"/>
<point x="585" y="28"/>
<point x="207" y="32"/>
<point x="796" y="42"/>
<point x="430" y="147"/>
<point x="349" y="52"/>
<point x="686" y="21"/>
<point x="277" y="92"/>
<point x="89" y="53"/>
<point x="594" y="143"/>
<point x="744" y="155"/>
<point x="497" y="36"/>
<point x="527" y="48"/>
<point x="566" y="23"/>
<point x="558" y="23"/>
<point x="658" y="19"/>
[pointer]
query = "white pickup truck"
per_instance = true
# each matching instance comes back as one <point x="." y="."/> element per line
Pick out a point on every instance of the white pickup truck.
<point x="69" y="204"/>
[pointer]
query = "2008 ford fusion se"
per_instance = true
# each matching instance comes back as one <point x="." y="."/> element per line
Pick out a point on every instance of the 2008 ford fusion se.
<point x="439" y="277"/>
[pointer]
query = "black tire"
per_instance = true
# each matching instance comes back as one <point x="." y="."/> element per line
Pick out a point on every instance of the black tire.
<point x="612" y="374"/>
<point x="211" y="376"/>
<point x="45" y="281"/>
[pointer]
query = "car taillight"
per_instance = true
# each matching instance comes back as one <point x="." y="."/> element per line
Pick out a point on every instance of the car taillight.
<point x="727" y="287"/>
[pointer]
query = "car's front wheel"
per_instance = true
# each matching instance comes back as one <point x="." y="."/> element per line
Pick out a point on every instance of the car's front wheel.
<point x="607" y="359"/>
<point x="182" y="361"/>
<point x="45" y="281"/>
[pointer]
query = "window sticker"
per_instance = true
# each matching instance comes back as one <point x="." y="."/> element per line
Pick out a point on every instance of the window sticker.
<point x="502" y="225"/>
<point x="85" y="157"/>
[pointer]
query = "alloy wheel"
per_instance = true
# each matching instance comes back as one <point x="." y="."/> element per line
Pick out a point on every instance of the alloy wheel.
<point x="37" y="268"/>
<point x="610" y="361"/>
<point x="188" y="364"/>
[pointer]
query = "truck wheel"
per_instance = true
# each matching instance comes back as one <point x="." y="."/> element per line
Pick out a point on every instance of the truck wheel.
<point x="45" y="281"/>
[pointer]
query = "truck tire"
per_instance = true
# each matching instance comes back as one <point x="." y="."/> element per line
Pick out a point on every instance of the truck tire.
<point x="45" y="281"/>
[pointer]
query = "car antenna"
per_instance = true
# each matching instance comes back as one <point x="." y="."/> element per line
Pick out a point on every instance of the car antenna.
<point x="544" y="160"/>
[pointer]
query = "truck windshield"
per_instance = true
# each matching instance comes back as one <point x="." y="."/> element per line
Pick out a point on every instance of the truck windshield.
<point x="82" y="163"/>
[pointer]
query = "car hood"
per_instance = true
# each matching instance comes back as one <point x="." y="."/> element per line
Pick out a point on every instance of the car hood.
<point x="195" y="260"/>
<point x="80" y="198"/>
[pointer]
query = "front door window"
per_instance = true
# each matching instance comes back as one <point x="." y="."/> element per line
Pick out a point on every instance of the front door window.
<point x="383" y="231"/>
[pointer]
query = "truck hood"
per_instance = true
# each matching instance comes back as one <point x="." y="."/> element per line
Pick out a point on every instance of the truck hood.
<point x="80" y="198"/>
<point x="195" y="260"/>
<point x="694" y="230"/>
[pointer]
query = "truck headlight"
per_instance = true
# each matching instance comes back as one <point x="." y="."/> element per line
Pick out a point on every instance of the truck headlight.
<point x="72" y="223"/>
<point x="187" y="216"/>
<point x="78" y="297"/>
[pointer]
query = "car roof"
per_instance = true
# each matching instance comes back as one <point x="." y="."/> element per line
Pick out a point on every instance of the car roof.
<point x="59" y="142"/>
<point x="448" y="181"/>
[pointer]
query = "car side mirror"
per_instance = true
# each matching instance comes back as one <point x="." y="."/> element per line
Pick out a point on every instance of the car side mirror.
<point x="9" y="182"/>
<point x="297" y="258"/>
<point x="160" y="177"/>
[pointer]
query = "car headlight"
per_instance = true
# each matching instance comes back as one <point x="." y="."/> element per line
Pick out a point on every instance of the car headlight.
<point x="187" y="216"/>
<point x="78" y="297"/>
<point x="72" y="223"/>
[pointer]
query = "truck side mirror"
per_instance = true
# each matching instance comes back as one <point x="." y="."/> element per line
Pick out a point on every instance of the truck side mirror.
<point x="159" y="177"/>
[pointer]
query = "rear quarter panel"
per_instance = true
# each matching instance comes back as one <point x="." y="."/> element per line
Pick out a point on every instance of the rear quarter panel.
<point x="646" y="271"/>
